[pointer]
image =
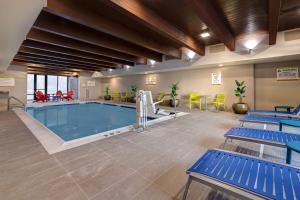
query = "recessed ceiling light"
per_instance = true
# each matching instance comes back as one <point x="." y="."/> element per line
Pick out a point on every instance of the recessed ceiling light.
<point x="251" y="44"/>
<point x="126" y="67"/>
<point x="110" y="69"/>
<point x="152" y="62"/>
<point x="204" y="34"/>
<point x="190" y="54"/>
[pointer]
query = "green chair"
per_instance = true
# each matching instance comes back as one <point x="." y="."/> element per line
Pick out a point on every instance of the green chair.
<point x="124" y="96"/>
<point x="116" y="96"/>
<point x="195" y="98"/>
<point x="219" y="101"/>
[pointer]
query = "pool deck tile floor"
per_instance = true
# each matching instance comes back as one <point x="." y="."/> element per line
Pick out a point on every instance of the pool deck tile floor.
<point x="140" y="166"/>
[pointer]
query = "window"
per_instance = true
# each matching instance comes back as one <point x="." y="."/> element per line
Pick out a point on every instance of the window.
<point x="40" y="83"/>
<point x="30" y="86"/>
<point x="51" y="84"/>
<point x="63" y="84"/>
<point x="48" y="84"/>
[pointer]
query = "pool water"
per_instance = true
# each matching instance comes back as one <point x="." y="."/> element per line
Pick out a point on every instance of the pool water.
<point x="73" y="121"/>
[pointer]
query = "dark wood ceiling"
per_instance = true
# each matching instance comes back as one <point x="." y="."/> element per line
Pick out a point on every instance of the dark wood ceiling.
<point x="72" y="35"/>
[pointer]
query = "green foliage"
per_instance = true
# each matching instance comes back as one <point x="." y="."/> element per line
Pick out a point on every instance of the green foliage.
<point x="240" y="90"/>
<point x="107" y="91"/>
<point x="133" y="89"/>
<point x="174" y="88"/>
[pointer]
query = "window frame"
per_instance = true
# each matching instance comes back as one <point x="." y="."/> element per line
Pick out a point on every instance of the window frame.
<point x="45" y="84"/>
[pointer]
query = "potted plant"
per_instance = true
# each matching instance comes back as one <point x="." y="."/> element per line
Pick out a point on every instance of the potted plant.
<point x="107" y="96"/>
<point x="240" y="107"/>
<point x="174" y="101"/>
<point x="133" y="90"/>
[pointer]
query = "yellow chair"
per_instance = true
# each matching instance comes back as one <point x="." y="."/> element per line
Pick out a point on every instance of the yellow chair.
<point x="219" y="101"/>
<point x="160" y="96"/>
<point x="195" y="98"/>
<point x="116" y="96"/>
<point x="124" y="96"/>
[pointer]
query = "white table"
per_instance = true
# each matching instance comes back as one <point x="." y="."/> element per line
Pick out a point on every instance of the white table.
<point x="205" y="97"/>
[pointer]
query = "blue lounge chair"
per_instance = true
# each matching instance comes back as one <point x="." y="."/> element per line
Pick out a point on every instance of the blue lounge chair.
<point x="244" y="176"/>
<point x="261" y="120"/>
<point x="294" y="113"/>
<point x="273" y="138"/>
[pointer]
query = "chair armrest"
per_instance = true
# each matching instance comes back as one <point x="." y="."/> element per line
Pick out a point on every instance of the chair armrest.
<point x="158" y="102"/>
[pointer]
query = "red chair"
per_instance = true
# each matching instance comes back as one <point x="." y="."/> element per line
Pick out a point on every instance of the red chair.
<point x="41" y="97"/>
<point x="69" y="96"/>
<point x="59" y="96"/>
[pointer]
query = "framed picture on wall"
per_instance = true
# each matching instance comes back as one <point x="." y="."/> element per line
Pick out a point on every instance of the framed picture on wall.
<point x="287" y="73"/>
<point x="216" y="78"/>
<point x="91" y="83"/>
<point x="151" y="80"/>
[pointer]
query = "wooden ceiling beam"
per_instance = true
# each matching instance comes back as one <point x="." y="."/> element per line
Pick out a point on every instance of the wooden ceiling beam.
<point x="42" y="66"/>
<point x="77" y="12"/>
<point x="141" y="13"/>
<point x="51" y="72"/>
<point x="274" y="7"/>
<point x="45" y="67"/>
<point x="47" y="61"/>
<point x="104" y="54"/>
<point x="50" y="68"/>
<point x="53" y="63"/>
<point x="214" y="21"/>
<point x="66" y="28"/>
<point x="46" y="58"/>
<point x="42" y="53"/>
<point x="62" y="50"/>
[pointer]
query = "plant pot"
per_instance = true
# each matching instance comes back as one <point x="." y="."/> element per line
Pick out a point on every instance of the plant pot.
<point x="107" y="97"/>
<point x="132" y="99"/>
<point x="240" y="108"/>
<point x="173" y="103"/>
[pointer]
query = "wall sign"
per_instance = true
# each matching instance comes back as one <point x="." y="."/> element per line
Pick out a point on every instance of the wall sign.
<point x="216" y="78"/>
<point x="91" y="83"/>
<point x="7" y="82"/>
<point x="287" y="73"/>
<point x="151" y="80"/>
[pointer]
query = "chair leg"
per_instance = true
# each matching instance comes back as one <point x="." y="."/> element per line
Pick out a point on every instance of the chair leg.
<point x="225" y="143"/>
<point x="200" y="106"/>
<point x="186" y="190"/>
<point x="288" y="156"/>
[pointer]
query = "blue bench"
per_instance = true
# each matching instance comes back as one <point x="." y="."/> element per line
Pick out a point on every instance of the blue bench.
<point x="245" y="177"/>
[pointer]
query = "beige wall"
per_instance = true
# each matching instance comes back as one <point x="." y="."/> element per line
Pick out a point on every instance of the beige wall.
<point x="86" y="92"/>
<point x="270" y="92"/>
<point x="192" y="80"/>
<point x="263" y="89"/>
<point x="19" y="90"/>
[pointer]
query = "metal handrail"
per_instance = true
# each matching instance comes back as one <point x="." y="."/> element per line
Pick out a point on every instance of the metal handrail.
<point x="16" y="99"/>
